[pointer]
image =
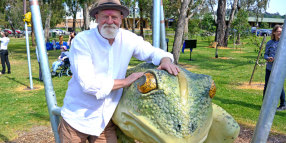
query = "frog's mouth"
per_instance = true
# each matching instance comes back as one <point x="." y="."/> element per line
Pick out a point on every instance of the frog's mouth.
<point x="141" y="126"/>
<point x="138" y="127"/>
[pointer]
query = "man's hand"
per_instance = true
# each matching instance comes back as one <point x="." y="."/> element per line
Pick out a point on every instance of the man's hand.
<point x="167" y="65"/>
<point x="270" y="59"/>
<point x="131" y="78"/>
<point x="121" y="83"/>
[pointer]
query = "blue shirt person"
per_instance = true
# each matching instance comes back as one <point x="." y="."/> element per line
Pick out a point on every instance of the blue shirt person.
<point x="270" y="50"/>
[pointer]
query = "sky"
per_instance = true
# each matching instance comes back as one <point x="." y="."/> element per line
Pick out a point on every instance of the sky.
<point x="277" y="6"/>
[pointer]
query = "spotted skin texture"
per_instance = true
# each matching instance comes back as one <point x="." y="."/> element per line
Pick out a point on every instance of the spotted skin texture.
<point x="179" y="109"/>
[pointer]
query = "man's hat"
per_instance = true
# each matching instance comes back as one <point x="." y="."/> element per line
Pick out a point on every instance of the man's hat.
<point x="109" y="4"/>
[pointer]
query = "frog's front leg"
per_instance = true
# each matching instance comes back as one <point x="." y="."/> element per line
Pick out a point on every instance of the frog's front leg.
<point x="224" y="128"/>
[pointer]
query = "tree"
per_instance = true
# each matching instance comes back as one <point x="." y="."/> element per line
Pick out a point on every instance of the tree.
<point x="74" y="7"/>
<point x="13" y="14"/>
<point x="194" y="27"/>
<point x="180" y="31"/>
<point x="208" y="26"/>
<point x="233" y="9"/>
<point x="220" y="28"/>
<point x="194" y="7"/>
<point x="86" y="6"/>
<point x="208" y="23"/>
<point x="241" y="24"/>
<point x="52" y="14"/>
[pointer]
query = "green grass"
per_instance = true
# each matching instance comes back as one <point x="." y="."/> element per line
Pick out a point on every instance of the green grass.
<point x="22" y="109"/>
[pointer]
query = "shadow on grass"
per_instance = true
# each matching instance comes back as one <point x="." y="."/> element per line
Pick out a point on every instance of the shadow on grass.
<point x="240" y="103"/>
<point x="40" y="116"/>
<point x="4" y="138"/>
<point x="206" y="62"/>
<point x="13" y="79"/>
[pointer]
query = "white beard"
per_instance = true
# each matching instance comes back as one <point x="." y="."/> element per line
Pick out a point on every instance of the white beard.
<point x="109" y="31"/>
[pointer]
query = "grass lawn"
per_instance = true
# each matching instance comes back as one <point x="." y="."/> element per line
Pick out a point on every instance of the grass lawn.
<point x="22" y="109"/>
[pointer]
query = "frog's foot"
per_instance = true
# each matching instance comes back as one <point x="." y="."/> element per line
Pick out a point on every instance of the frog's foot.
<point x="224" y="128"/>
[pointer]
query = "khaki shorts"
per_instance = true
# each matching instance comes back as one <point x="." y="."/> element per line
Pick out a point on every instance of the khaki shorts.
<point x="70" y="135"/>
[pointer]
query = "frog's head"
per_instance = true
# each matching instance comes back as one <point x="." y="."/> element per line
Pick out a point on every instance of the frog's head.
<point x="160" y="107"/>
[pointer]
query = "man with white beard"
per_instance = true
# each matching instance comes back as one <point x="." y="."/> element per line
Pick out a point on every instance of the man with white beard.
<point x="99" y="59"/>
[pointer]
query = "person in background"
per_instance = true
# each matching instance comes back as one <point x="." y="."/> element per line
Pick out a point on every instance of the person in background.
<point x="60" y="61"/>
<point x="61" y="40"/>
<point x="269" y="56"/>
<point x="38" y="58"/>
<point x="71" y="36"/>
<point x="4" y="52"/>
<point x="54" y="44"/>
<point x="99" y="60"/>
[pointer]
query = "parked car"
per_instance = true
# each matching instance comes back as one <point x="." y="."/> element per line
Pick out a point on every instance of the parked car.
<point x="266" y="32"/>
<point x="29" y="32"/>
<point x="253" y="29"/>
<point x="19" y="31"/>
<point x="8" y="30"/>
<point x="65" y="32"/>
<point x="57" y="31"/>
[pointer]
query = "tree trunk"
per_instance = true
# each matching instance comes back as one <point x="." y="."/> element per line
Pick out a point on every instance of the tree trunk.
<point x="86" y="18"/>
<point x="141" y="19"/>
<point x="47" y="24"/>
<point x="221" y="22"/>
<point x="74" y="21"/>
<point x="133" y="25"/>
<point x="180" y="31"/>
<point x="238" y="39"/>
<point x="234" y="6"/>
<point x="186" y="29"/>
<point x="125" y="22"/>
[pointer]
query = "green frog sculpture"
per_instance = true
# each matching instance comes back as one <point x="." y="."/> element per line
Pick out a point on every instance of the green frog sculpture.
<point x="162" y="108"/>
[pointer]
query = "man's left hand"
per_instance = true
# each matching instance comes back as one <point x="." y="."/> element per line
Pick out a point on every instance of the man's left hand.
<point x="167" y="65"/>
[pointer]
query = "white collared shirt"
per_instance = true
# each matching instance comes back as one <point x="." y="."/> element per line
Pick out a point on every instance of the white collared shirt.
<point x="4" y="43"/>
<point x="89" y="102"/>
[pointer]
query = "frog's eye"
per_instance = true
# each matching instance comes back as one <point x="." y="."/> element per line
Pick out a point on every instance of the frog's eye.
<point x="212" y="90"/>
<point x="147" y="83"/>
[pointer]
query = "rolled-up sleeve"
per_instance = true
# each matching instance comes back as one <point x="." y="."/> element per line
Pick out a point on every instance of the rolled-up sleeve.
<point x="146" y="52"/>
<point x="267" y="51"/>
<point x="83" y="69"/>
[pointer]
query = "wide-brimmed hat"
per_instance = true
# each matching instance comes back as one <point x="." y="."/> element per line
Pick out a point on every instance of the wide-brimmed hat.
<point x="109" y="4"/>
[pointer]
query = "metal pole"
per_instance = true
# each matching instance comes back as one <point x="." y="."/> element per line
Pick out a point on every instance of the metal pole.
<point x="273" y="92"/>
<point x="54" y="110"/>
<point x="162" y="28"/>
<point x="156" y="23"/>
<point x="28" y="49"/>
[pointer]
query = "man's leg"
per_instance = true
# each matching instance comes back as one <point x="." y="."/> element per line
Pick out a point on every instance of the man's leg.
<point x="3" y="62"/>
<point x="57" y="64"/>
<point x="107" y="136"/>
<point x="70" y="135"/>
<point x="7" y="61"/>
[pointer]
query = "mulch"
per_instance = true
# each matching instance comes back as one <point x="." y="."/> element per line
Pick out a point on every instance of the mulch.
<point x="44" y="134"/>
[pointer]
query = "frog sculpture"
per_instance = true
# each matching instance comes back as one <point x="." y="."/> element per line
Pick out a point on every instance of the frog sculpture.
<point x="162" y="108"/>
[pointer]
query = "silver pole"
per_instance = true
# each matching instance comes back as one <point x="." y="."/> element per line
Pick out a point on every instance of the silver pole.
<point x="28" y="56"/>
<point x="54" y="110"/>
<point x="162" y="28"/>
<point x="273" y="92"/>
<point x="156" y="23"/>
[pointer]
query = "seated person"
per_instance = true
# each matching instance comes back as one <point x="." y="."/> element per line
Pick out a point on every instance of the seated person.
<point x="60" y="61"/>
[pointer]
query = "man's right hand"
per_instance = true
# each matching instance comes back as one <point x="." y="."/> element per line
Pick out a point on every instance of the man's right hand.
<point x="134" y="76"/>
<point x="121" y="83"/>
<point x="270" y="59"/>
